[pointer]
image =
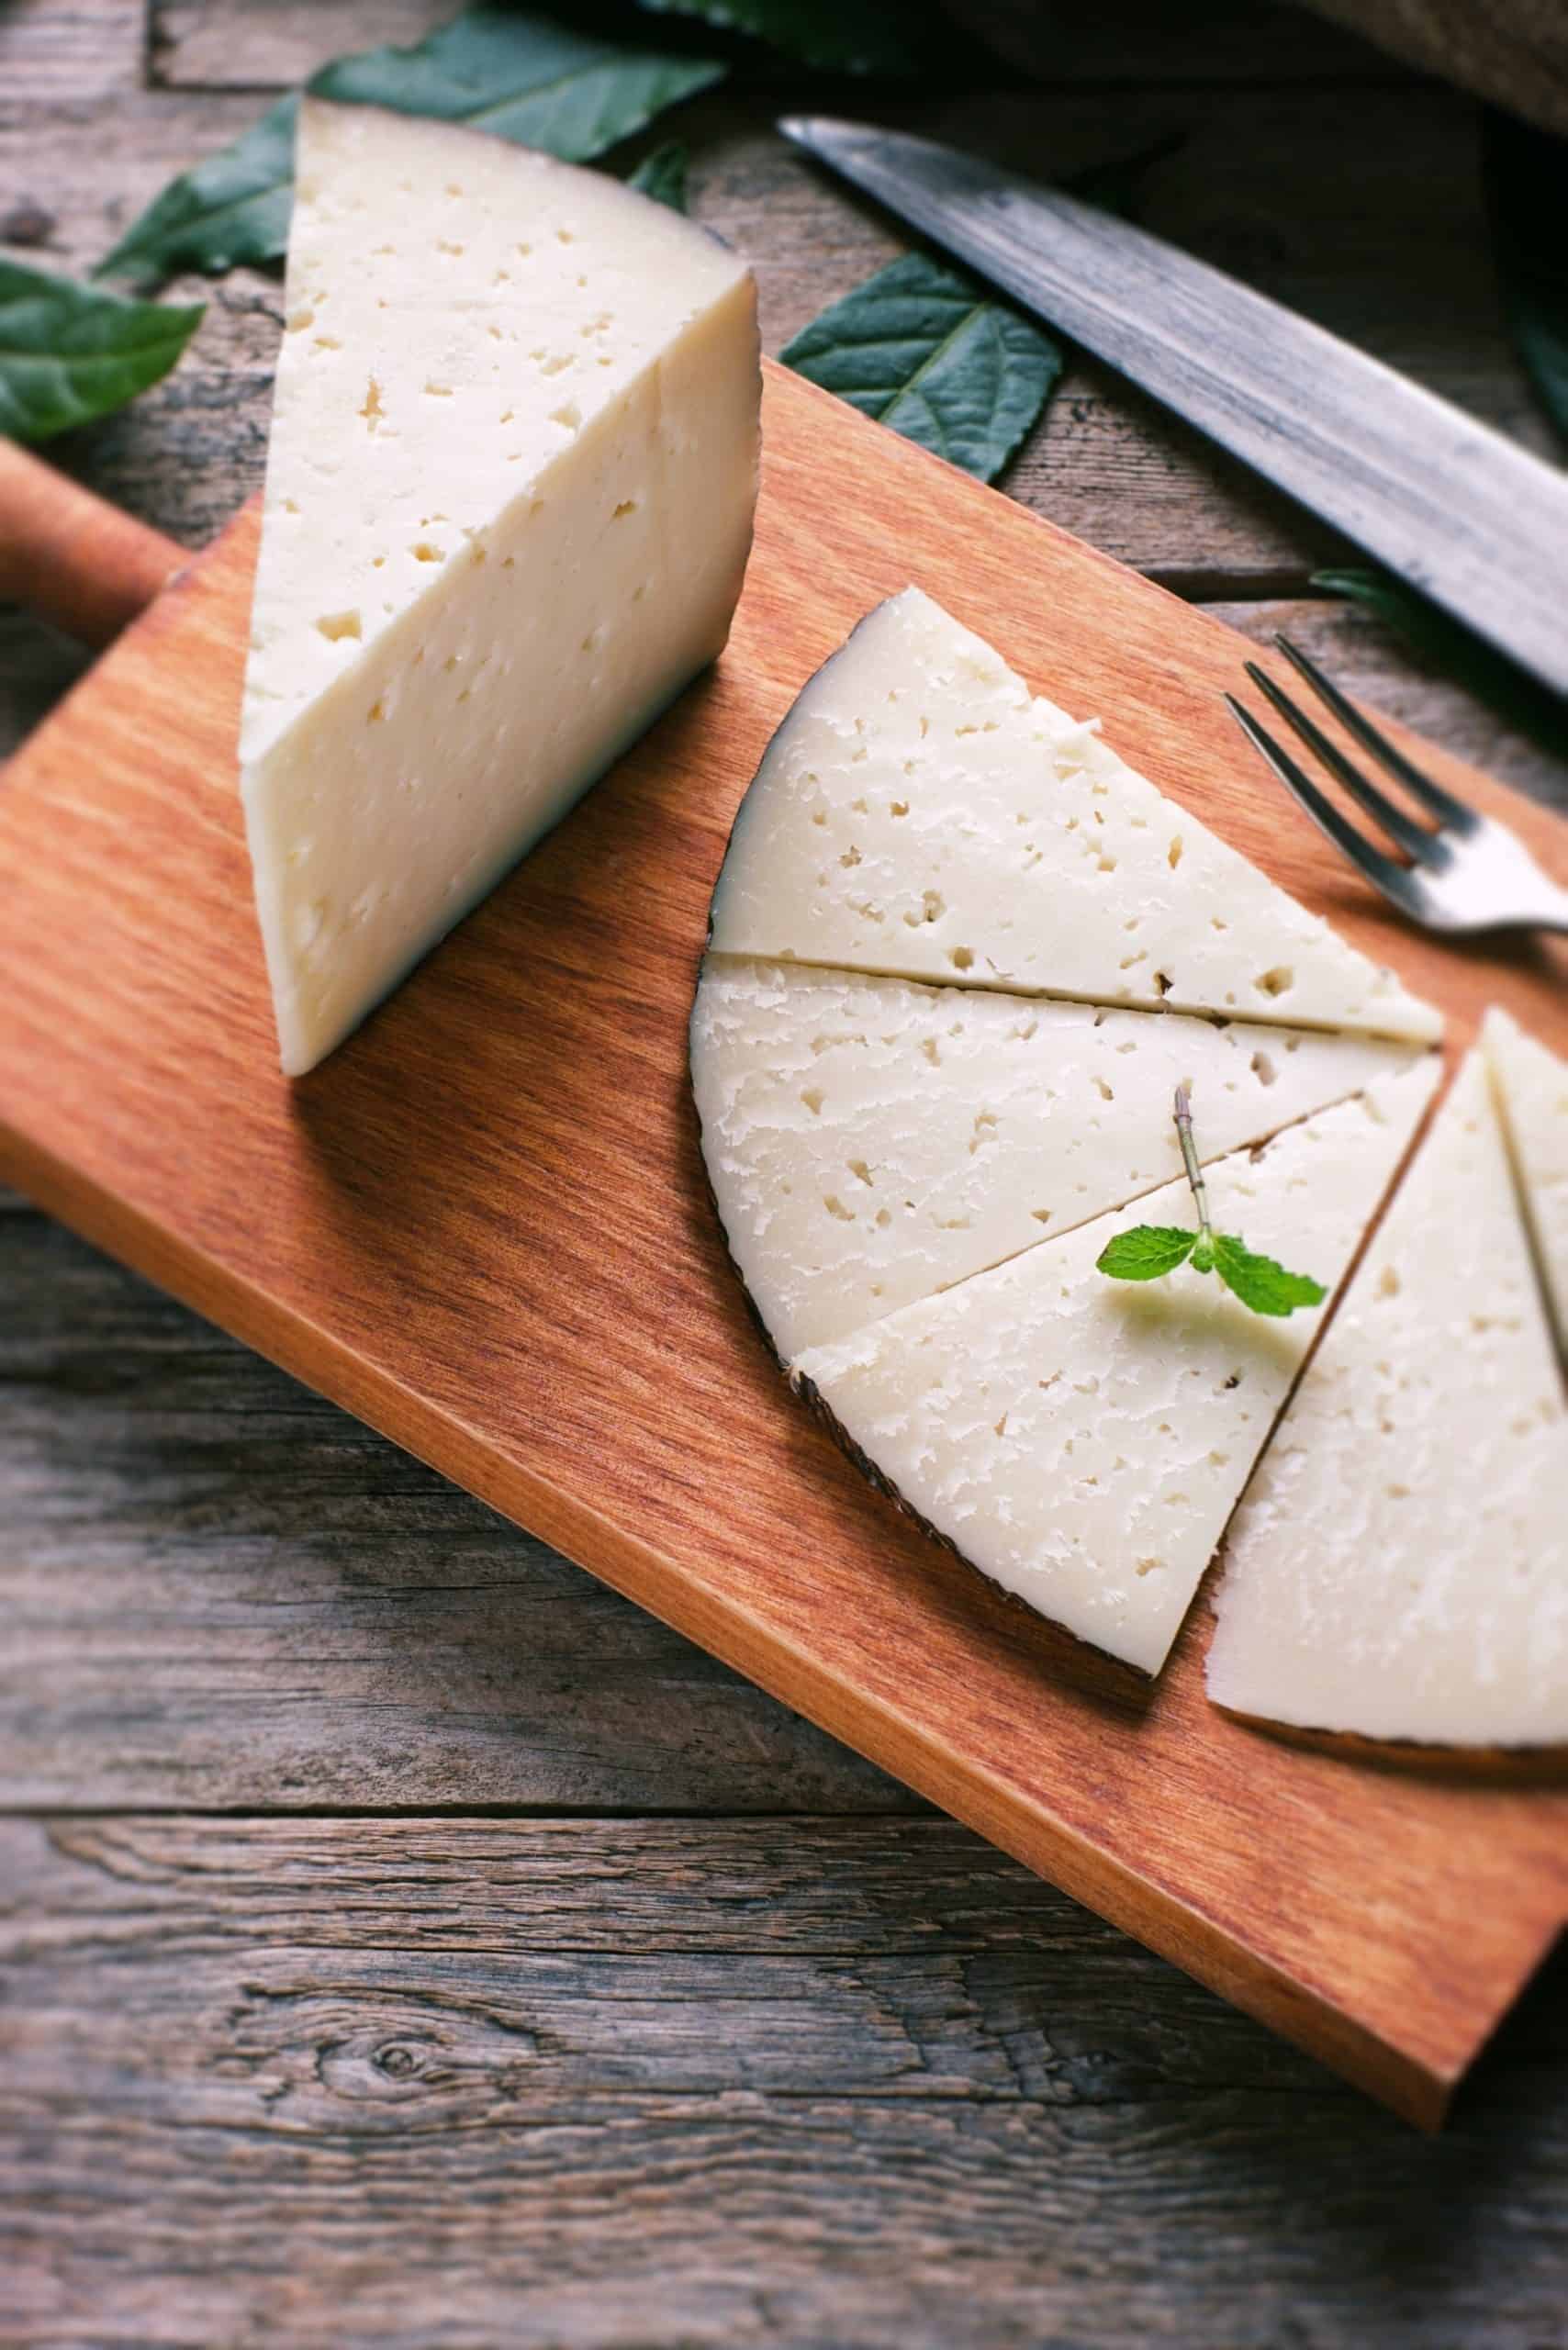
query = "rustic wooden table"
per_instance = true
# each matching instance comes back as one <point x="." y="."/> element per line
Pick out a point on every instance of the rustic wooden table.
<point x="403" y="1940"/>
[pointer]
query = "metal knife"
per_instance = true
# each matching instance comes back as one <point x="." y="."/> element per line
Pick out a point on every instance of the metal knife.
<point x="1466" y="516"/>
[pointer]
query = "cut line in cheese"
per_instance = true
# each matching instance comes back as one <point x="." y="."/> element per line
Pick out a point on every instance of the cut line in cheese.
<point x="508" y="510"/>
<point x="1399" y="1566"/>
<point x="1081" y="1441"/>
<point x="1530" y="1083"/>
<point x="920" y="813"/>
<point x="870" y="1141"/>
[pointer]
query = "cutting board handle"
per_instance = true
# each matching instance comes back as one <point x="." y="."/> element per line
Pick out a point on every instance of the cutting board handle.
<point x="70" y="556"/>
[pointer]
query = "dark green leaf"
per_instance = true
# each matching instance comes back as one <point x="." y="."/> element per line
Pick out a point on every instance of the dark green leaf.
<point x="1261" y="1283"/>
<point x="1457" y="652"/>
<point x="231" y="208"/>
<point x="1146" y="1252"/>
<point x="1525" y="172"/>
<point x="926" y="352"/>
<point x="662" y="175"/>
<point x="69" y="352"/>
<point x="522" y="78"/>
<point x="517" y="75"/>
<point x="843" y="36"/>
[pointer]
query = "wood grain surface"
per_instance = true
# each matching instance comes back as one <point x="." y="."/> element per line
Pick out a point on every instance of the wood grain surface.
<point x="222" y="1595"/>
<point x="482" y="1227"/>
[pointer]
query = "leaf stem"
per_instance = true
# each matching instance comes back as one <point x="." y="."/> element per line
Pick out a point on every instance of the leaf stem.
<point x="1183" y="1115"/>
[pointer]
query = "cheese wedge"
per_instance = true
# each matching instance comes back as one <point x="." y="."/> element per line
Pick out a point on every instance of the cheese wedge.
<point x="1531" y="1089"/>
<point x="1084" y="1441"/>
<point x="508" y="510"/>
<point x="920" y="813"/>
<point x="870" y="1141"/>
<point x="1399" y="1567"/>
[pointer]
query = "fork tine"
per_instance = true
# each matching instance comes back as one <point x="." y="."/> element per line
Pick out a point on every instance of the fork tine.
<point x="1432" y="797"/>
<point x="1391" y="878"/>
<point x="1413" y="839"/>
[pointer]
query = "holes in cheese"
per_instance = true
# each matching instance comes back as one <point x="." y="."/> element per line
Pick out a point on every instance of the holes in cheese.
<point x="1399" y="1566"/>
<point x="969" y="1118"/>
<point x="412" y="418"/>
<point x="1083" y="1442"/>
<point x="918" y="748"/>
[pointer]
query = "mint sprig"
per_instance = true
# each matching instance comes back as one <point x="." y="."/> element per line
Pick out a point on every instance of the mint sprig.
<point x="1148" y="1251"/>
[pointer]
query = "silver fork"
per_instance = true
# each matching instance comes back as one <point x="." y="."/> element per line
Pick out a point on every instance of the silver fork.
<point x="1466" y="872"/>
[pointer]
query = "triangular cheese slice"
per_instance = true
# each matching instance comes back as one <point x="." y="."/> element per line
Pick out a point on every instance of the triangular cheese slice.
<point x="1399" y="1567"/>
<point x="870" y="1141"/>
<point x="919" y="814"/>
<point x="1084" y="1441"/>
<point x="507" y="510"/>
<point x="1531" y="1087"/>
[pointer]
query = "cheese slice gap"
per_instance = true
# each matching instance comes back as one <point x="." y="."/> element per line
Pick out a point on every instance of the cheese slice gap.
<point x="870" y="1141"/>
<point x="1082" y="1440"/>
<point x="920" y="813"/>
<point x="1399" y="1567"/>
<point x="509" y="505"/>
<point x="1530" y="1083"/>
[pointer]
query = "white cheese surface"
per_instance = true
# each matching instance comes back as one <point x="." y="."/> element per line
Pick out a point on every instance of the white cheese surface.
<point x="1399" y="1567"/>
<point x="1531" y="1087"/>
<point x="1084" y="1441"/>
<point x="919" y="814"/>
<point x="870" y="1141"/>
<point x="508" y="510"/>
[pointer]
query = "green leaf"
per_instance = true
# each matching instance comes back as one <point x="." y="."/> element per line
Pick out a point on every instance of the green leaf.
<point x="1260" y="1282"/>
<point x="518" y="76"/>
<point x="233" y="207"/>
<point x="842" y="35"/>
<point x="1458" y="653"/>
<point x="69" y="352"/>
<point x="926" y="352"/>
<point x="662" y="175"/>
<point x="1526" y="174"/>
<point x="1146" y="1252"/>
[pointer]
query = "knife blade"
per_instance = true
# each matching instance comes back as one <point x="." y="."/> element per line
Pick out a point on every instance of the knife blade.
<point x="1466" y="516"/>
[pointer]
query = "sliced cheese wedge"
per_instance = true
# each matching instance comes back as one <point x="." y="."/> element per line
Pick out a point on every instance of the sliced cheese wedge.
<point x="1399" y="1567"/>
<point x="507" y="510"/>
<point x="870" y="1141"/>
<point x="1084" y="1441"/>
<point x="920" y="813"/>
<point x="1531" y="1087"/>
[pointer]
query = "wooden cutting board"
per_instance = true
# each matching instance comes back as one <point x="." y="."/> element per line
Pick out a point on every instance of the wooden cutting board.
<point x="482" y="1227"/>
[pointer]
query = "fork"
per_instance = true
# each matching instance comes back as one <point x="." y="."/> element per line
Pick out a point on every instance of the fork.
<point x="1466" y="872"/>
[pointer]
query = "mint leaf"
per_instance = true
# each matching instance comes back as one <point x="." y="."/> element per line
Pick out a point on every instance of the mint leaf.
<point x="924" y="351"/>
<point x="843" y="36"/>
<point x="1145" y="1252"/>
<point x="1260" y="1282"/>
<point x="662" y="175"/>
<point x="1526" y="176"/>
<point x="1457" y="654"/>
<point x="70" y="353"/>
<point x="517" y="76"/>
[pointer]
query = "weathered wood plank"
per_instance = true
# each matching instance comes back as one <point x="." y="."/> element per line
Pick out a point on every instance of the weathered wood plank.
<point x="440" y="2081"/>
<point x="67" y="52"/>
<point x="1387" y="248"/>
<point x="218" y="1591"/>
<point x="226" y="44"/>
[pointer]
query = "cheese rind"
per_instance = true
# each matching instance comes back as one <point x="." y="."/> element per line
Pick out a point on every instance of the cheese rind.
<point x="870" y="1141"/>
<point x="1531" y="1087"/>
<point x="1399" y="1566"/>
<point x="508" y="506"/>
<point x="1082" y="1440"/>
<point x="919" y="814"/>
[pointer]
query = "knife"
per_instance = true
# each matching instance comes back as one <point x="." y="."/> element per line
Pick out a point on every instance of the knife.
<point x="1464" y="515"/>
